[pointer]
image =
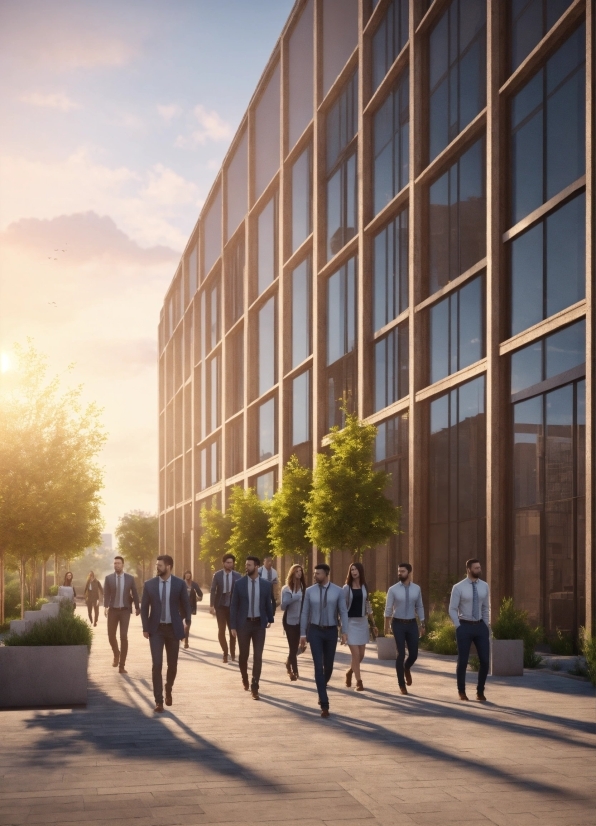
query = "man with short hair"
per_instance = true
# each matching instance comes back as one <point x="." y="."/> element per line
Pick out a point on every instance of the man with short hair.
<point x="324" y="604"/>
<point x="404" y="603"/>
<point x="222" y="586"/>
<point x="268" y="572"/>
<point x="469" y="610"/>
<point x="119" y="594"/>
<point x="251" y="613"/>
<point x="164" y="605"/>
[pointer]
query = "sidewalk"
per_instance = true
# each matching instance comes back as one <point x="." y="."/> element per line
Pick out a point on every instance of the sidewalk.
<point x="217" y="756"/>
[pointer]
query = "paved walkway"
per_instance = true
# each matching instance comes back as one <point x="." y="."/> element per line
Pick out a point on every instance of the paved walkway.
<point x="527" y="757"/>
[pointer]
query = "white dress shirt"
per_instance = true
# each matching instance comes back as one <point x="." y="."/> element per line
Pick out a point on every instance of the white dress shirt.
<point x="257" y="606"/>
<point x="168" y="581"/>
<point x="462" y="601"/>
<point x="404" y="602"/>
<point x="265" y="573"/>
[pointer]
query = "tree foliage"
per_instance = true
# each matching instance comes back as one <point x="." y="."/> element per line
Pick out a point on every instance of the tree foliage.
<point x="137" y="533"/>
<point x="250" y="525"/>
<point x="216" y="529"/>
<point x="348" y="509"/>
<point x="287" y="520"/>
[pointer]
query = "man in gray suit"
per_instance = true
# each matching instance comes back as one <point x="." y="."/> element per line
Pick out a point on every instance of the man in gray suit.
<point x="119" y="594"/>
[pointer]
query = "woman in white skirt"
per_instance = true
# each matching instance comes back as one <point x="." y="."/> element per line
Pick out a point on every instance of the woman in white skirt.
<point x="356" y="594"/>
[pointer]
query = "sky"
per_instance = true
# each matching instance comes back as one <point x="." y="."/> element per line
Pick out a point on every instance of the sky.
<point x="115" y="117"/>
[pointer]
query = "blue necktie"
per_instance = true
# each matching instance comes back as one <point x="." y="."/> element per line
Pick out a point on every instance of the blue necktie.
<point x="163" y="603"/>
<point x="475" y="611"/>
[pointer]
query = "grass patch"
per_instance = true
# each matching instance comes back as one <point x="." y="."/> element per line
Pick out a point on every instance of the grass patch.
<point x="65" y="629"/>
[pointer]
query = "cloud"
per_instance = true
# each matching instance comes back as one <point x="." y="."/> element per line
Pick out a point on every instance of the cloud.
<point x="57" y="100"/>
<point x="211" y="127"/>
<point x="170" y="111"/>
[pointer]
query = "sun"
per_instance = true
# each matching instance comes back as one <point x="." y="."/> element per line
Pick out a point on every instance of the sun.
<point x="5" y="363"/>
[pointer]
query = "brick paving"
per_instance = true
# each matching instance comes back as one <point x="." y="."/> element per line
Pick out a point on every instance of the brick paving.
<point x="527" y="757"/>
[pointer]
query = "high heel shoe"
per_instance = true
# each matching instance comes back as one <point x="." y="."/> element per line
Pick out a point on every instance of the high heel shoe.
<point x="359" y="686"/>
<point x="349" y="673"/>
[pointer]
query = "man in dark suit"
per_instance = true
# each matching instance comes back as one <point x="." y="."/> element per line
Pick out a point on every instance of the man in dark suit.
<point x="221" y="594"/>
<point x="164" y="605"/>
<point x="251" y="613"/>
<point x="119" y="594"/>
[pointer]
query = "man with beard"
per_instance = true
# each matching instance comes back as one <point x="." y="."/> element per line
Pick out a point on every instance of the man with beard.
<point x="119" y="595"/>
<point x="221" y="594"/>
<point x="469" y="610"/>
<point x="404" y="603"/>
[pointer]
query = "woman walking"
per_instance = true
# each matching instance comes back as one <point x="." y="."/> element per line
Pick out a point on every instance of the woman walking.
<point x="359" y="610"/>
<point x="70" y="584"/>
<point x="195" y="595"/>
<point x="292" y="599"/>
<point x="93" y="594"/>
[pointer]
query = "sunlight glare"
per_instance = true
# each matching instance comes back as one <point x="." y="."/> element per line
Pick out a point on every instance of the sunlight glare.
<point x="5" y="363"/>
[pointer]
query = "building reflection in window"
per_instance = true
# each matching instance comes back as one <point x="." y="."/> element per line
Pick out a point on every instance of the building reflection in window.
<point x="341" y="342"/>
<point x="390" y="271"/>
<point x="301" y="199"/>
<point x="391" y="128"/>
<point x="530" y="20"/>
<point x="267" y="440"/>
<point x="391" y="367"/>
<point x="456" y="327"/>
<point x="391" y="455"/>
<point x="342" y="193"/>
<point x="389" y="39"/>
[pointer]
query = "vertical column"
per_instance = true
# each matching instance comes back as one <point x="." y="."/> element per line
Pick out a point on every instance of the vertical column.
<point x="285" y="211"/>
<point x="590" y="320"/>
<point x="248" y="233"/>
<point x="318" y="247"/>
<point x="364" y="70"/>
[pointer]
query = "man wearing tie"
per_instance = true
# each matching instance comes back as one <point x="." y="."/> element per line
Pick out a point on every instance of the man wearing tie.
<point x="469" y="610"/>
<point x="222" y="586"/>
<point x="119" y="594"/>
<point x="251" y="613"/>
<point x="324" y="603"/>
<point x="164" y="605"/>
<point x="403" y="605"/>
<point x="268" y="572"/>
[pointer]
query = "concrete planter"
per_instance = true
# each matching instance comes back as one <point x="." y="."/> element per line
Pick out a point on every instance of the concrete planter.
<point x="507" y="658"/>
<point x="43" y="675"/>
<point x="386" y="649"/>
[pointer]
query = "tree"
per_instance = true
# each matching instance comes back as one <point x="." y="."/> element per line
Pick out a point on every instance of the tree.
<point x="287" y="512"/>
<point x="49" y="481"/>
<point x="348" y="509"/>
<point x="137" y="533"/>
<point x="250" y="525"/>
<point x="216" y="529"/>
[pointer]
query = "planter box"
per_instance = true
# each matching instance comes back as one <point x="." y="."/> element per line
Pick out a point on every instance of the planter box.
<point x="507" y="658"/>
<point x="386" y="649"/>
<point x="43" y="675"/>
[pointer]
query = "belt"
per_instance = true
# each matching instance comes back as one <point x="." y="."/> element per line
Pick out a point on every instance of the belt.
<point x="165" y="623"/>
<point x="253" y="619"/>
<point x="472" y="622"/>
<point x="325" y="627"/>
<point x="399" y="619"/>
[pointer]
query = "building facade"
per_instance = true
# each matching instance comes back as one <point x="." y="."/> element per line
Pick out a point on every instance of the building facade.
<point x="404" y="220"/>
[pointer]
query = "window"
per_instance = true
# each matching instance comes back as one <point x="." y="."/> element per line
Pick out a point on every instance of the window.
<point x="457" y="481"/>
<point x="300" y="76"/>
<point x="548" y="265"/>
<point x="457" y="71"/>
<point x="548" y="128"/>
<point x="235" y="281"/>
<point x="267" y="440"/>
<point x="389" y="39"/>
<point x="456" y="326"/>
<point x="192" y="273"/>
<point x="209" y="465"/>
<point x="237" y="183"/>
<point x="301" y="336"/>
<point x="342" y="194"/>
<point x="267" y="347"/>
<point x="301" y="409"/>
<point x="301" y="199"/>
<point x="267" y="134"/>
<point x="530" y="20"/>
<point x="340" y="37"/>
<point x="235" y="372"/>
<point x="341" y="342"/>
<point x="213" y="405"/>
<point x="391" y="367"/>
<point x="265" y="485"/>
<point x="391" y="455"/>
<point x="390" y="271"/>
<point x="391" y="143"/>
<point x="235" y="446"/>
<point x="559" y="357"/>
<point x="267" y="229"/>
<point x="214" y="325"/>
<point x="212" y="234"/>
<point x="458" y="218"/>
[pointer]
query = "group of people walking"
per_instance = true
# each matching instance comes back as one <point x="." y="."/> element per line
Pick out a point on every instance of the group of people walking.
<point x="320" y="614"/>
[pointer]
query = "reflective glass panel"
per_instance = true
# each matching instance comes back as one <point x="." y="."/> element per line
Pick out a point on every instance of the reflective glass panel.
<point x="301" y="408"/>
<point x="192" y="272"/>
<point x="266" y="485"/>
<point x="389" y="39"/>
<point x="341" y="311"/>
<point x="267" y="230"/>
<point x="390" y="271"/>
<point x="391" y="127"/>
<point x="301" y="83"/>
<point x="267" y="348"/>
<point x="267" y="133"/>
<point x="237" y="184"/>
<point x="301" y="200"/>
<point x="530" y="20"/>
<point x="457" y="330"/>
<point x="267" y="447"/>
<point x="212" y="234"/>
<point x="391" y="367"/>
<point x="301" y="337"/>
<point x="340" y="37"/>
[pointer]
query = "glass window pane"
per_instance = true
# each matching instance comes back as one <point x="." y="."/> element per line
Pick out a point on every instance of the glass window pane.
<point x="527" y="441"/>
<point x="212" y="234"/>
<point x="267" y="133"/>
<point x="559" y="443"/>
<point x="301" y="84"/>
<point x="471" y="315"/>
<point x="267" y="447"/>
<point x="237" y="186"/>
<point x="391" y="133"/>
<point x="301" y="338"/>
<point x="235" y="282"/>
<point x="301" y="200"/>
<point x="527" y="306"/>
<point x="439" y="340"/>
<point x="301" y="409"/>
<point x="566" y="129"/>
<point x="267" y="245"/>
<point x="266" y="485"/>
<point x="389" y="39"/>
<point x="193" y="272"/>
<point x="472" y="207"/>
<point x="566" y="256"/>
<point x="267" y="346"/>
<point x="340" y="37"/>
<point x="526" y="367"/>
<point x="390" y="271"/>
<point x="566" y="349"/>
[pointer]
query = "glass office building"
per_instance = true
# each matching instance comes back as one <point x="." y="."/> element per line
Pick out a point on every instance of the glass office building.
<point x="404" y="220"/>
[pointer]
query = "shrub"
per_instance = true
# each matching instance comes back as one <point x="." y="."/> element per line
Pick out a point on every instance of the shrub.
<point x="561" y="643"/>
<point x="588" y="646"/>
<point x="65" y="629"/>
<point x="440" y="634"/>
<point x="513" y="624"/>
<point x="39" y="602"/>
<point x="377" y="602"/>
<point x="474" y="664"/>
<point x="53" y="590"/>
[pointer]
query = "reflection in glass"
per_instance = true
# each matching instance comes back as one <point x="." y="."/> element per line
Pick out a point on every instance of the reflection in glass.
<point x="214" y="406"/>
<point x="342" y="193"/>
<point x="391" y="455"/>
<point x="235" y="281"/>
<point x="301" y="200"/>
<point x="192" y="272"/>
<point x="391" y="129"/>
<point x="301" y="336"/>
<point x="212" y="234"/>
<point x="457" y="330"/>
<point x="340" y="37"/>
<point x="235" y="446"/>
<point x="267" y="446"/>
<point x="530" y="20"/>
<point x="267" y="133"/>
<point x="235" y="371"/>
<point x="341" y="342"/>
<point x="214" y="327"/>
<point x="300" y="74"/>
<point x="389" y="39"/>
<point x="265" y="485"/>
<point x="391" y="367"/>
<point x="548" y="128"/>
<point x="458" y="218"/>
<point x="549" y="357"/>
<point x="390" y="271"/>
<point x="267" y="245"/>
<point x="267" y="346"/>
<point x="237" y="185"/>
<point x="301" y="409"/>
<point x="457" y="71"/>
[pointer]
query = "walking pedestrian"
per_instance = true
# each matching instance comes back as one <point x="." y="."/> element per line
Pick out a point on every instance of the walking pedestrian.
<point x="194" y="595"/>
<point x="251" y="613"/>
<point x="93" y="594"/>
<point x="403" y="605"/>
<point x="292" y="601"/>
<point x="222" y="586"/>
<point x="119" y="595"/>
<point x="166" y="614"/>
<point x="359" y="612"/>
<point x="324" y="603"/>
<point x="469" y="610"/>
<point x="68" y="582"/>
<point x="268" y="572"/>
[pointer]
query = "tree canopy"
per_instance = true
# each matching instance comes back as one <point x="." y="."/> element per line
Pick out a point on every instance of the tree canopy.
<point x="137" y="533"/>
<point x="287" y="511"/>
<point x="250" y="525"/>
<point x="216" y="529"/>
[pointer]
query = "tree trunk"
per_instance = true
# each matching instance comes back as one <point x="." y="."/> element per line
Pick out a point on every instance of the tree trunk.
<point x="2" y="616"/>
<point x="55" y="569"/>
<point x="44" y="578"/>
<point x="33" y="584"/>
<point x="22" y="587"/>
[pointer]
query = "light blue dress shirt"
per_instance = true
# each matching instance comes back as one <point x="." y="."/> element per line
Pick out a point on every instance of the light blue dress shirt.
<point x="461" y="605"/>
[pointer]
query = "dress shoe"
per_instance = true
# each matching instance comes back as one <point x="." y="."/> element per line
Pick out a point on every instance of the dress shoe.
<point x="403" y="689"/>
<point x="480" y="697"/>
<point x="94" y="624"/>
<point x="116" y="661"/>
<point x="159" y="708"/>
<point x="233" y="658"/>
<point x="245" y="684"/>
<point x="293" y="676"/>
<point x="408" y="676"/>
<point x="168" y="697"/>
<point x="289" y="669"/>
<point x="122" y="670"/>
<point x="359" y="686"/>
<point x="349" y="673"/>
<point x="255" y="693"/>
<point x="325" y="712"/>
<point x="463" y="696"/>
<point x="186" y="643"/>
<point x="225" y="658"/>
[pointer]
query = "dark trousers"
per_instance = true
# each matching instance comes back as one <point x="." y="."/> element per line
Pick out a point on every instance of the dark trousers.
<point x="323" y="643"/>
<point x="93" y="607"/>
<point x="222" y="615"/>
<point x="164" y="638"/>
<point x="293" y="635"/>
<point x="251" y="631"/>
<point x="119" y="617"/>
<point x="405" y="633"/>
<point x="466" y="634"/>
